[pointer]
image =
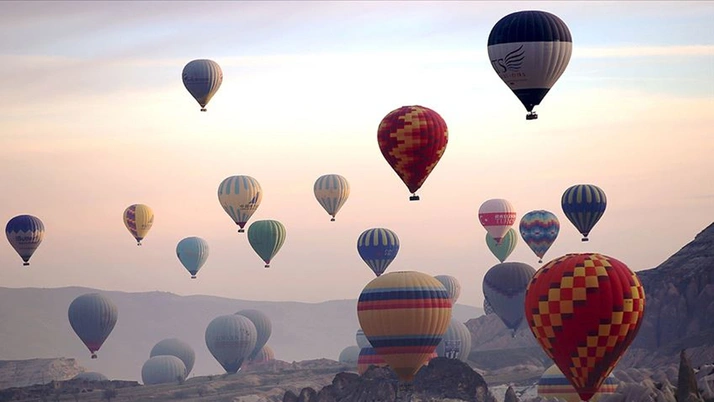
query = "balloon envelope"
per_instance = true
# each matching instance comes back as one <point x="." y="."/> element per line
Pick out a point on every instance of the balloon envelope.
<point x="404" y="314"/>
<point x="163" y="370"/>
<point x="331" y="191"/>
<point x="240" y="197"/>
<point x="497" y="216"/>
<point x="361" y="339"/>
<point x="25" y="233"/>
<point x="452" y="286"/>
<point x="378" y="247"/>
<point x="529" y="50"/>
<point x="505" y="248"/>
<point x="539" y="230"/>
<point x="263" y="327"/>
<point x="412" y="140"/>
<point x="178" y="348"/>
<point x="369" y="357"/>
<point x="92" y="317"/>
<point x="266" y="237"/>
<point x="202" y="78"/>
<point x="193" y="253"/>
<point x="349" y="355"/>
<point x="505" y="287"/>
<point x="231" y="339"/>
<point x="585" y="310"/>
<point x="264" y="355"/>
<point x="456" y="342"/>
<point x="584" y="205"/>
<point x="138" y="219"/>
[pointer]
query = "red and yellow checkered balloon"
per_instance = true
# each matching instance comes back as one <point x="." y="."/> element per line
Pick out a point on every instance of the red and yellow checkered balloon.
<point x="585" y="310"/>
<point x="412" y="140"/>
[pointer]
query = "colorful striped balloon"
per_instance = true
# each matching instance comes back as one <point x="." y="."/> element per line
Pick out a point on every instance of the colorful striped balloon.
<point x="404" y="315"/>
<point x="505" y="248"/>
<point x="138" y="219"/>
<point x="25" y="233"/>
<point x="378" y="247"/>
<point x="539" y="230"/>
<point x="331" y="191"/>
<point x="412" y="140"/>
<point x="553" y="384"/>
<point x="240" y="197"/>
<point x="266" y="237"/>
<point x="584" y="205"/>
<point x="369" y="357"/>
<point x="497" y="216"/>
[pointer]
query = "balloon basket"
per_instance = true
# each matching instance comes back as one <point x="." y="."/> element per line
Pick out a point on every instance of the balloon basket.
<point x="267" y="265"/>
<point x="532" y="116"/>
<point x="332" y="220"/>
<point x="94" y="356"/>
<point x="414" y="198"/>
<point x="24" y="264"/>
<point x="241" y="230"/>
<point x="203" y="109"/>
<point x="193" y="276"/>
<point x="584" y="239"/>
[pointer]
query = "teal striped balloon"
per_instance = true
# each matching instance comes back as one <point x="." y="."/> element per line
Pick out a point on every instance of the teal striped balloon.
<point x="193" y="253"/>
<point x="505" y="248"/>
<point x="266" y="237"/>
<point x="584" y="205"/>
<point x="331" y="191"/>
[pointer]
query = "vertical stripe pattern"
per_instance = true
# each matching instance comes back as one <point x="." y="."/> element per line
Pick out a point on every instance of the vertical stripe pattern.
<point x="503" y="249"/>
<point x="378" y="247"/>
<point x="138" y="219"/>
<point x="193" y="253"/>
<point x="584" y="205"/>
<point x="452" y="286"/>
<point x="331" y="191"/>
<point x="202" y="78"/>
<point x="266" y="237"/>
<point x="92" y="317"/>
<point x="240" y="197"/>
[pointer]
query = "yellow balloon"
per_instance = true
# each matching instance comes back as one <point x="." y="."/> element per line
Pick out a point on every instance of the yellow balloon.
<point x="138" y="219"/>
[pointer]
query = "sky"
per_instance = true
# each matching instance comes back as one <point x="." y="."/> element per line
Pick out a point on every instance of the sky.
<point x="96" y="118"/>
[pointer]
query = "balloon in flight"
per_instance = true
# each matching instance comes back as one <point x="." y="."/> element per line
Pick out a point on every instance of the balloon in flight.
<point x="539" y="230"/>
<point x="529" y="50"/>
<point x="505" y="248"/>
<point x="505" y="288"/>
<point x="584" y="205"/>
<point x="92" y="317"/>
<point x="497" y="216"/>
<point x="138" y="219"/>
<point x="193" y="253"/>
<point x="231" y="339"/>
<point x="240" y="197"/>
<point x="25" y="233"/>
<point x="378" y="247"/>
<point x="585" y="310"/>
<point x="202" y="78"/>
<point x="331" y="191"/>
<point x="266" y="237"/>
<point x="452" y="286"/>
<point x="413" y="140"/>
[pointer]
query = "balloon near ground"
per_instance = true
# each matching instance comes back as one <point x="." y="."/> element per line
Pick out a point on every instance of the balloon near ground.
<point x="178" y="348"/>
<point x="452" y="286"/>
<point x="193" y="253"/>
<point x="504" y="286"/>
<point x="231" y="339"/>
<point x="202" y="78"/>
<point x="378" y="247"/>
<point x="584" y="205"/>
<point x="163" y="369"/>
<point x="263" y="327"/>
<point x="413" y="140"/>
<point x="369" y="357"/>
<point x="264" y="355"/>
<point x="266" y="237"/>
<point x="456" y="342"/>
<point x="404" y="315"/>
<point x="585" y="310"/>
<point x="539" y="230"/>
<point x="25" y="233"/>
<point x="349" y="355"/>
<point x="553" y="384"/>
<point x="529" y="50"/>
<point x="138" y="219"/>
<point x="92" y="317"/>
<point x="361" y="339"/>
<point x="240" y="197"/>
<point x="331" y="191"/>
<point x="503" y="249"/>
<point x="497" y="216"/>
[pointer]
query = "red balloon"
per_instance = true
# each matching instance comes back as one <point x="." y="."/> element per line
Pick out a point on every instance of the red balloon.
<point x="412" y="140"/>
<point x="585" y="310"/>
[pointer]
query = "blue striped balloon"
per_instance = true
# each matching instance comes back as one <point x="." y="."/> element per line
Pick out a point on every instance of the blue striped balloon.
<point x="584" y="205"/>
<point x="378" y="247"/>
<point x="25" y="233"/>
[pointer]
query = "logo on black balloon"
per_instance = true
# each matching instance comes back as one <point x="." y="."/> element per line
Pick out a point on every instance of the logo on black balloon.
<point x="511" y="62"/>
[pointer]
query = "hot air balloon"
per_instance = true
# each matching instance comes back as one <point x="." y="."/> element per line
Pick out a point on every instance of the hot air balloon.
<point x="497" y="216"/>
<point x="349" y="355"/>
<point x="264" y="355"/>
<point x="231" y="339"/>
<point x="585" y="310"/>
<point x="138" y="218"/>
<point x="404" y="315"/>
<point x="505" y="287"/>
<point x="539" y="230"/>
<point x="25" y="233"/>
<point x="263" y="327"/>
<point x="240" y="197"/>
<point x="505" y="248"/>
<point x="412" y="140"/>
<point x="266" y="237"/>
<point x="202" y="78"/>
<point x="456" y="342"/>
<point x="530" y="50"/>
<point x="92" y="317"/>
<point x="90" y="376"/>
<point x="369" y="357"/>
<point x="553" y="384"/>
<point x="361" y="339"/>
<point x="163" y="370"/>
<point x="452" y="286"/>
<point x="178" y="348"/>
<point x="378" y="247"/>
<point x="331" y="191"/>
<point x="584" y="205"/>
<point x="192" y="252"/>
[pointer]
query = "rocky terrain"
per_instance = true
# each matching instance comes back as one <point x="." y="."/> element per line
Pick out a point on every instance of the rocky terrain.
<point x="22" y="373"/>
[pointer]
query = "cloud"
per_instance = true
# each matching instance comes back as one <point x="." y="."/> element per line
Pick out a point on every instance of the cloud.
<point x="643" y="51"/>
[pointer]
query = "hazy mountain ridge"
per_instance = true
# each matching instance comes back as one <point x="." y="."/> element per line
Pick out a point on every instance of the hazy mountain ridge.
<point x="35" y="325"/>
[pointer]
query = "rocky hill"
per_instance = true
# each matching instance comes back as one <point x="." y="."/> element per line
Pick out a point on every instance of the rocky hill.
<point x="22" y="373"/>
